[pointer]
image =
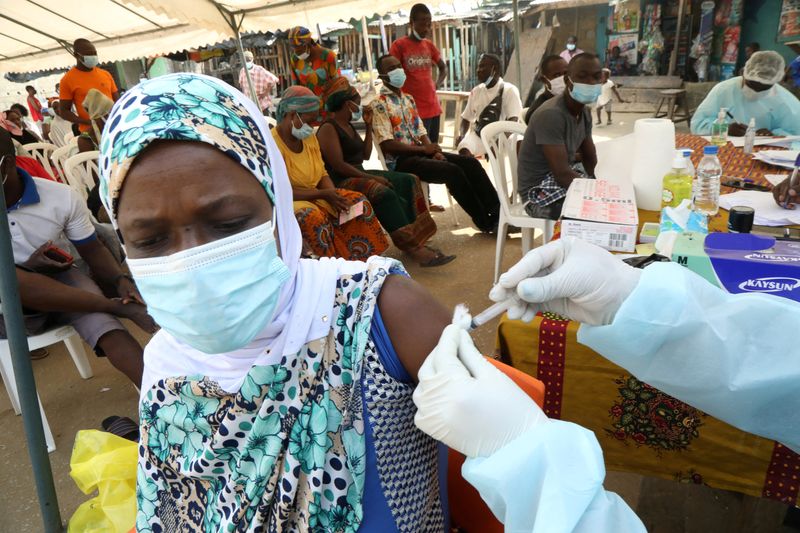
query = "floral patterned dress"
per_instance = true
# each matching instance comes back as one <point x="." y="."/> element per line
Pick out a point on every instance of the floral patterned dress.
<point x="287" y="452"/>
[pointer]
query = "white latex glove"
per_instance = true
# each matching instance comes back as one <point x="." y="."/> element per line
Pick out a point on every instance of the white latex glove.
<point x="467" y="403"/>
<point x="569" y="277"/>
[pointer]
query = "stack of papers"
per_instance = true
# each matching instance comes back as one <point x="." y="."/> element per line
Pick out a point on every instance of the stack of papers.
<point x="778" y="158"/>
<point x="767" y="212"/>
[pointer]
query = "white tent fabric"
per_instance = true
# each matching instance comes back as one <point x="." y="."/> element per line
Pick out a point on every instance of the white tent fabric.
<point x="33" y="32"/>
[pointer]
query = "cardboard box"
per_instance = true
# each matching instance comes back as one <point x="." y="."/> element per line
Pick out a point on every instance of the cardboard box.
<point x="742" y="262"/>
<point x="602" y="213"/>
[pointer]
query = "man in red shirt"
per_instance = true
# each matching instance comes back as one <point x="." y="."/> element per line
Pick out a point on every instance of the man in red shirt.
<point x="418" y="55"/>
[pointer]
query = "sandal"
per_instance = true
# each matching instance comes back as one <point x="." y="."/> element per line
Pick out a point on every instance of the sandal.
<point x="439" y="260"/>
<point x="435" y="208"/>
<point x="121" y="426"/>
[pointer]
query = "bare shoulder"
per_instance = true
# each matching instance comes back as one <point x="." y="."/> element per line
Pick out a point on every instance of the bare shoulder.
<point x="413" y="318"/>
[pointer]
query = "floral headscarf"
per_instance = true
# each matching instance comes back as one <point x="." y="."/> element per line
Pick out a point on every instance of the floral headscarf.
<point x="338" y="93"/>
<point x="297" y="98"/>
<point x="186" y="107"/>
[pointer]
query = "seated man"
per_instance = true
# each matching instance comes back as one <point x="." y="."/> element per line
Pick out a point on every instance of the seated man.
<point x="756" y="94"/>
<point x="492" y="100"/>
<point x="398" y="130"/>
<point x="53" y="290"/>
<point x="552" y="74"/>
<point x="559" y="131"/>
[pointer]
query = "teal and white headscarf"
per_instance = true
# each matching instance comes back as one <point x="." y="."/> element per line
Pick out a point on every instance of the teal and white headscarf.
<point x="271" y="436"/>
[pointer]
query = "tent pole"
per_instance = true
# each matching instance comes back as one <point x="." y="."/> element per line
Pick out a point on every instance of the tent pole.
<point x="368" y="51"/>
<point x="516" y="43"/>
<point x="26" y="384"/>
<point x="230" y="19"/>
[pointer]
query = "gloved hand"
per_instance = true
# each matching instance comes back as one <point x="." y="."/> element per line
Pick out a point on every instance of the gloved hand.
<point x="467" y="403"/>
<point x="569" y="277"/>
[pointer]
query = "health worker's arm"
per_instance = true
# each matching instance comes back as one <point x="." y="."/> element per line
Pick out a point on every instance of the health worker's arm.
<point x="734" y="356"/>
<point x="535" y="474"/>
<point x="706" y="113"/>
<point x="788" y="120"/>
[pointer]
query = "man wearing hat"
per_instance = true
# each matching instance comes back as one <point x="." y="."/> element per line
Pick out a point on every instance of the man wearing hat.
<point x="263" y="80"/>
<point x="755" y="94"/>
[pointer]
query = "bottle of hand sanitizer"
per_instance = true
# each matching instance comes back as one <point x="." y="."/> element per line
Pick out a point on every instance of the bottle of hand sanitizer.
<point x="750" y="136"/>
<point x="719" y="129"/>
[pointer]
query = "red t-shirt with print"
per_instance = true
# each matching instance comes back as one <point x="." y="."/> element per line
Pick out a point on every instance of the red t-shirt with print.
<point x="418" y="59"/>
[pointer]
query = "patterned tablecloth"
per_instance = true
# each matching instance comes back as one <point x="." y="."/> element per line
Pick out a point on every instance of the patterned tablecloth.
<point x="641" y="429"/>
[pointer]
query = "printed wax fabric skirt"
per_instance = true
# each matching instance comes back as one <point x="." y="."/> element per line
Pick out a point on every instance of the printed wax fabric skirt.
<point x="401" y="208"/>
<point x="355" y="240"/>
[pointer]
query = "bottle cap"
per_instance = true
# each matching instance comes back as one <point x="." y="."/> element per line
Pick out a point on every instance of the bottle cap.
<point x="710" y="150"/>
<point x="740" y="219"/>
<point x="687" y="152"/>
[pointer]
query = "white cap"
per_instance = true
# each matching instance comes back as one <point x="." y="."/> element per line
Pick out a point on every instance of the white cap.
<point x="248" y="55"/>
<point x="765" y="67"/>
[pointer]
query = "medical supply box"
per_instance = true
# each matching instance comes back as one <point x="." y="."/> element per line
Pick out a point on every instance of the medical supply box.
<point x="602" y="213"/>
<point x="742" y="262"/>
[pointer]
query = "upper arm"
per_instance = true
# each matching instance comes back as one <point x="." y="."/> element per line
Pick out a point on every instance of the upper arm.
<point x="396" y="51"/>
<point x="64" y="105"/>
<point x="436" y="56"/>
<point x="329" y="144"/>
<point x="705" y="114"/>
<point x="78" y="222"/>
<point x="413" y="318"/>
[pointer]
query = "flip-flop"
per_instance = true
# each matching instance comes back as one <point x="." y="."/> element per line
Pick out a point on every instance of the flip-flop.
<point x="122" y="426"/>
<point x="439" y="260"/>
<point x="436" y="208"/>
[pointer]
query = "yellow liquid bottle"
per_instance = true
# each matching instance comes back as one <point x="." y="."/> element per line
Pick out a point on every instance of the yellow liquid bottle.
<point x="677" y="183"/>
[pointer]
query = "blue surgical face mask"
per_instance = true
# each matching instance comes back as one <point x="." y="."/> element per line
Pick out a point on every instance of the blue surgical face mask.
<point x="216" y="297"/>
<point x="570" y="47"/>
<point x="303" y="132"/>
<point x="585" y="93"/>
<point x="397" y="78"/>
<point x="356" y="115"/>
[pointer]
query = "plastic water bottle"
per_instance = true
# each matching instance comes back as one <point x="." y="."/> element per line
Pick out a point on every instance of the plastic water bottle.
<point x="719" y="129"/>
<point x="705" y="194"/>
<point x="750" y="137"/>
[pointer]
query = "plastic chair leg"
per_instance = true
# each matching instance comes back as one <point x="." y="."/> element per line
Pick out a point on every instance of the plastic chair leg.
<point x="528" y="236"/>
<point x="75" y="348"/>
<point x="48" y="434"/>
<point x="502" y="230"/>
<point x="452" y="208"/>
<point x="7" y="373"/>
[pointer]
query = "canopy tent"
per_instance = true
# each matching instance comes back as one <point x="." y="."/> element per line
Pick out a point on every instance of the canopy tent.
<point x="35" y="34"/>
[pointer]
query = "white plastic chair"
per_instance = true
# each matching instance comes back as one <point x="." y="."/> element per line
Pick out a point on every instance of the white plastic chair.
<point x="43" y="153"/>
<point x="425" y="185"/>
<point x="70" y="338"/>
<point x="500" y="141"/>
<point x="68" y="137"/>
<point x="80" y="170"/>
<point x="60" y="156"/>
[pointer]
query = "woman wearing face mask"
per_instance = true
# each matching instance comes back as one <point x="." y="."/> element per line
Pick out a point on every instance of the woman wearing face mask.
<point x="277" y="395"/>
<point x="553" y="72"/>
<point x="313" y="66"/>
<point x="319" y="205"/>
<point x="396" y="196"/>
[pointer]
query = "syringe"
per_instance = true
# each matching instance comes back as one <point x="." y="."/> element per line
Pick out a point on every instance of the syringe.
<point x="491" y="312"/>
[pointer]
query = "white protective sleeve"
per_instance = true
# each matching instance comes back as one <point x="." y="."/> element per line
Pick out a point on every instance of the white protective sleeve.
<point x="550" y="480"/>
<point x="734" y="356"/>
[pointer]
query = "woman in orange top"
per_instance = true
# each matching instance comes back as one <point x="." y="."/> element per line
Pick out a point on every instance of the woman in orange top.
<point x="313" y="66"/>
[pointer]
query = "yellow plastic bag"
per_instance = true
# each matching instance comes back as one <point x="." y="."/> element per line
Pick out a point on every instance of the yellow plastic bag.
<point x="106" y="463"/>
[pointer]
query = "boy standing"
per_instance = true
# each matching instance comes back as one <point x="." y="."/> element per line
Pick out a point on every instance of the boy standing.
<point x="418" y="54"/>
<point x="604" y="102"/>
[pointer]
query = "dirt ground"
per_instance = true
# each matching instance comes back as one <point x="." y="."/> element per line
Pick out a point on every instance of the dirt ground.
<point x="73" y="404"/>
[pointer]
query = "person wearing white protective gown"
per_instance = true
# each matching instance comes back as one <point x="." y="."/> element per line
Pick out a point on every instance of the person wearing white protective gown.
<point x="699" y="344"/>
<point x="756" y="94"/>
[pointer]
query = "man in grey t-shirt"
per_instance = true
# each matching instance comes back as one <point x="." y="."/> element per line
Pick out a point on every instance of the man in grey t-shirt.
<point x="559" y="130"/>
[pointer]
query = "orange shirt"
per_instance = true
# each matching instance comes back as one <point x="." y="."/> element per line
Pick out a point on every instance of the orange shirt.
<point x="76" y="83"/>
